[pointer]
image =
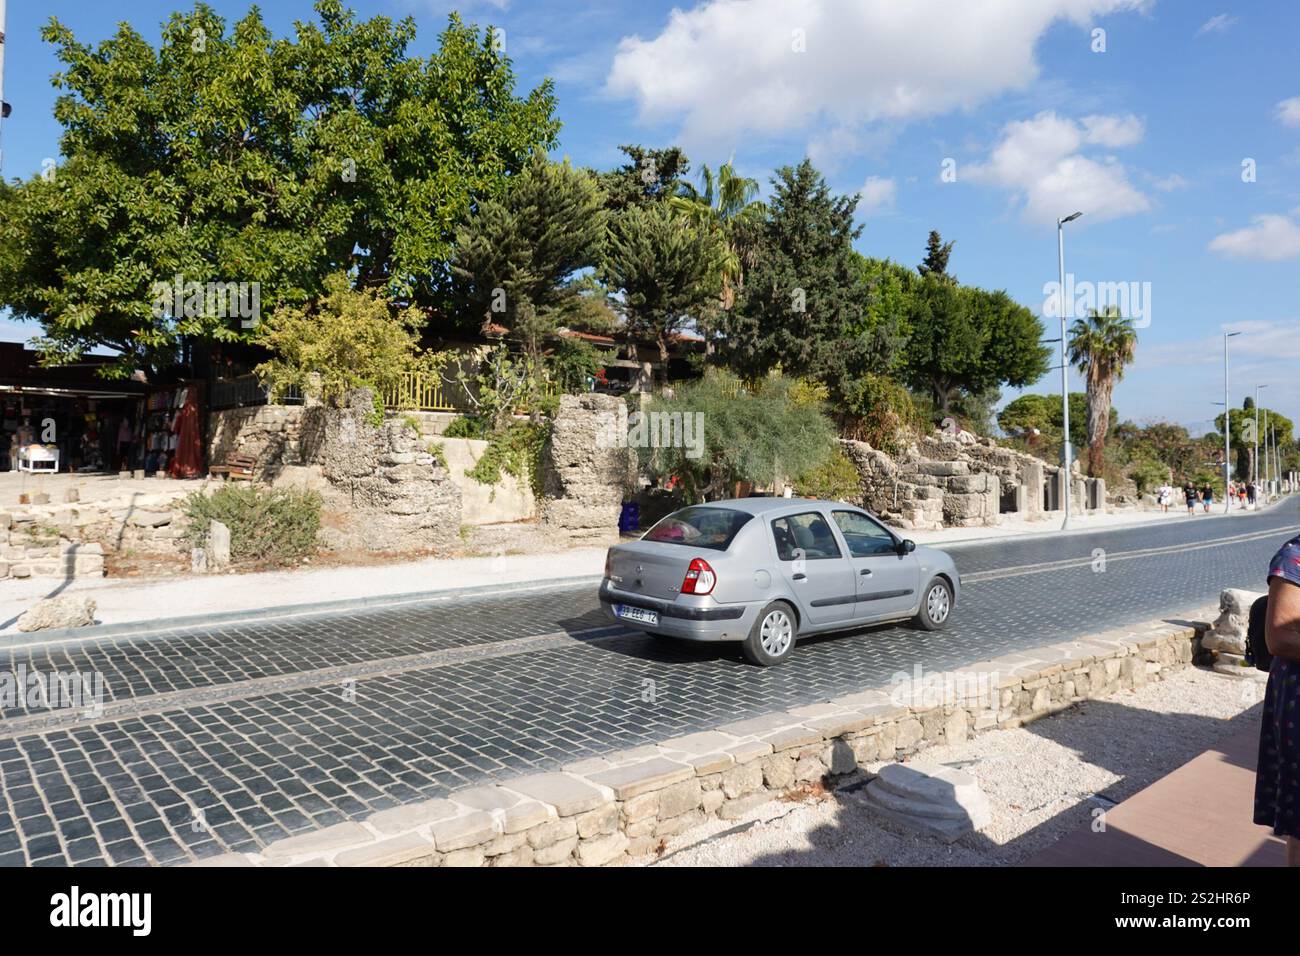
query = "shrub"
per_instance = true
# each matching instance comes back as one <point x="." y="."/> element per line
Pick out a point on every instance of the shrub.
<point x="465" y="426"/>
<point x="835" y="480"/>
<point x="352" y="338"/>
<point x="880" y="412"/>
<point x="516" y="450"/>
<point x="274" y="525"/>
<point x="759" y="435"/>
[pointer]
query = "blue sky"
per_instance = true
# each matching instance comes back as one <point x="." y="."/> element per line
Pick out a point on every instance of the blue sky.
<point x="1147" y="136"/>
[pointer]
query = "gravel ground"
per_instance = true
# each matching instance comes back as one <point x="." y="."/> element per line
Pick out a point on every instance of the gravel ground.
<point x="1041" y="780"/>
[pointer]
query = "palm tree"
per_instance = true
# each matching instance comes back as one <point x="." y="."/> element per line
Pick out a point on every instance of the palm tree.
<point x="724" y="205"/>
<point x="1100" y="347"/>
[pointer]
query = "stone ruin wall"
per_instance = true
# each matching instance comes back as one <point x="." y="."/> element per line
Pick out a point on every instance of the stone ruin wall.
<point x="951" y="481"/>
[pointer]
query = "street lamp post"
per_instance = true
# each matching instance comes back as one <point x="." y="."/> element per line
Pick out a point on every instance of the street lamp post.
<point x="1266" y="462"/>
<point x="1065" y="372"/>
<point x="1227" y="426"/>
<point x="1254" y="462"/>
<point x="2" y="69"/>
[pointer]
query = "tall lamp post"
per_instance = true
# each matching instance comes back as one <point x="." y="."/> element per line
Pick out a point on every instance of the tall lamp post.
<point x="1254" y="462"/>
<point x="1227" y="425"/>
<point x="2" y="69"/>
<point x="1065" y="371"/>
<point x="1263" y="491"/>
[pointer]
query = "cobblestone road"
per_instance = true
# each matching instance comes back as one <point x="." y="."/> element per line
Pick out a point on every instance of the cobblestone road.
<point x="232" y="737"/>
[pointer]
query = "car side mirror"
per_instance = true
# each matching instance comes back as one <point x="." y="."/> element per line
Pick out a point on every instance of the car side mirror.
<point x="906" y="546"/>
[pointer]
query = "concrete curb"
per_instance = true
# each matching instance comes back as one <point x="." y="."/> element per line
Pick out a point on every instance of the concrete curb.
<point x="158" y="626"/>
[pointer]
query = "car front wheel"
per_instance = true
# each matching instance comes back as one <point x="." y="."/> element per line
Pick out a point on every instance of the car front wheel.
<point x="772" y="637"/>
<point x="936" y="605"/>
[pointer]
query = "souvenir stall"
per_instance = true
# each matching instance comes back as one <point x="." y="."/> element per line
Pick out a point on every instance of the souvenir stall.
<point x="62" y="419"/>
<point x="168" y="435"/>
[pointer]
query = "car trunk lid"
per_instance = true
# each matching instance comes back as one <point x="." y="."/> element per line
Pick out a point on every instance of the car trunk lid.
<point x="655" y="570"/>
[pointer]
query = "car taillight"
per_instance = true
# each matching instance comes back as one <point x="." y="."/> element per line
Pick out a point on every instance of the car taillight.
<point x="700" y="578"/>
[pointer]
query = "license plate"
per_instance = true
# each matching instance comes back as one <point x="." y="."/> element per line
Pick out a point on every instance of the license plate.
<point x="638" y="614"/>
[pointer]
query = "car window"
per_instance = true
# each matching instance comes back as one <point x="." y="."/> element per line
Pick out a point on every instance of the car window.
<point x="804" y="536"/>
<point x="864" y="537"/>
<point x="699" y="527"/>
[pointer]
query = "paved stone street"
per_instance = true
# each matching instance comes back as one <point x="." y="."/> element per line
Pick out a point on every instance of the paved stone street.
<point x="232" y="737"/>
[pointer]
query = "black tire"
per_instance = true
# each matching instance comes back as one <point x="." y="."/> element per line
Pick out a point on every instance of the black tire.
<point x="936" y="605"/>
<point x="770" y="649"/>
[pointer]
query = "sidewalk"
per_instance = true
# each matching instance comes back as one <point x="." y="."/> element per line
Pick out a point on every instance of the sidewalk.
<point x="124" y="600"/>
<point x="1199" y="815"/>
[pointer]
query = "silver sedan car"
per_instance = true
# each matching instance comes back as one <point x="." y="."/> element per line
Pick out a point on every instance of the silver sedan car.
<point x="766" y="571"/>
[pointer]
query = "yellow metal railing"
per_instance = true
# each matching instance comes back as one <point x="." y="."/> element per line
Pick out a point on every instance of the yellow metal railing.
<point x="425" y="393"/>
<point x="429" y="393"/>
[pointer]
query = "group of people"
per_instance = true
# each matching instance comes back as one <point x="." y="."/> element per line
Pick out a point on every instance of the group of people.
<point x="1239" y="493"/>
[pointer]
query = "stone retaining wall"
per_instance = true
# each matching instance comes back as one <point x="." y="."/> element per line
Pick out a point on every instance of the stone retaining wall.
<point x="70" y="540"/>
<point x="611" y="809"/>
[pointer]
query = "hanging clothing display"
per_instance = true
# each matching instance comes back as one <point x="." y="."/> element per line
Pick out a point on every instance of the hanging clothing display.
<point x="186" y="439"/>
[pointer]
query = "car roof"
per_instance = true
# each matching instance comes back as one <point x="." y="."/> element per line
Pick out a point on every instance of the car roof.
<point x="759" y="506"/>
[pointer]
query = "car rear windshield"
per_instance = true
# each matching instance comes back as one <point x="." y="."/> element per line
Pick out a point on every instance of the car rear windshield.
<point x="699" y="527"/>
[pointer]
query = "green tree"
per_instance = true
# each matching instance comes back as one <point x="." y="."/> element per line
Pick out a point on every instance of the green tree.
<point x="968" y="340"/>
<point x="1272" y="425"/>
<point x="351" y="338"/>
<point x="1042" y="413"/>
<point x="886" y="328"/>
<point x="650" y="176"/>
<point x="1100" y="347"/>
<point x="515" y="255"/>
<point x="665" y="268"/>
<point x="228" y="155"/>
<point x="936" y="256"/>
<point x="763" y="436"/>
<point x="726" y="205"/>
<point x="802" y="307"/>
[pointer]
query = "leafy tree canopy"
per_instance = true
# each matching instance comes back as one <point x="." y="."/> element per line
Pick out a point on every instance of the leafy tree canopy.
<point x="665" y="268"/>
<point x="524" y="247"/>
<point x="229" y="155"/>
<point x="767" y="434"/>
<point x="650" y="176"/>
<point x="351" y="339"/>
<point x="803" y="304"/>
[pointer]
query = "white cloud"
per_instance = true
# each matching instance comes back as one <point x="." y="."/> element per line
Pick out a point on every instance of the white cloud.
<point x="1269" y="237"/>
<point x="876" y="195"/>
<point x="730" y="67"/>
<point x="1113" y="131"/>
<point x="1167" y="184"/>
<point x="1288" y="111"/>
<point x="1040" y="161"/>
<point x="1216" y="24"/>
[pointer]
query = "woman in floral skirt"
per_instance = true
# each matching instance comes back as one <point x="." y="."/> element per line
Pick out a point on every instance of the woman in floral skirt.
<point x="1277" y="778"/>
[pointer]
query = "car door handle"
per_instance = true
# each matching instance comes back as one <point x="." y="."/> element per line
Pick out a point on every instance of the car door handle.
<point x="800" y="576"/>
<point x="865" y="572"/>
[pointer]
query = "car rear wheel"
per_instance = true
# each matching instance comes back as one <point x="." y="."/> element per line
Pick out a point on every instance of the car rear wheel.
<point x="772" y="637"/>
<point x="936" y="605"/>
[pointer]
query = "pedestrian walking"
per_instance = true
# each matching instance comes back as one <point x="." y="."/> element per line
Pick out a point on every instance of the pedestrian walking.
<point x="1207" y="497"/>
<point x="1163" y="494"/>
<point x="1250" y="494"/>
<point x="1189" y="492"/>
<point x="1277" y="773"/>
